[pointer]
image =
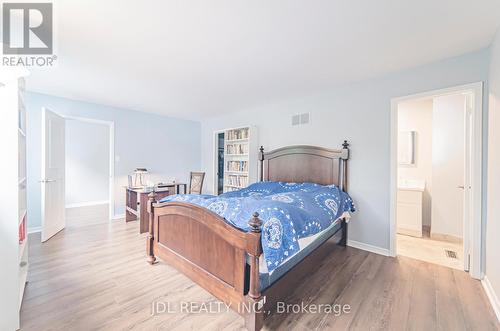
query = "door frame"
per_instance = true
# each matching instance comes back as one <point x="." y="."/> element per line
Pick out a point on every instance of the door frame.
<point x="474" y="239"/>
<point x="111" y="127"/>
<point x="215" y="160"/>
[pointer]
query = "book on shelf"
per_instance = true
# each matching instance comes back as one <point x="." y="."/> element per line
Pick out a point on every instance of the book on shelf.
<point x="237" y="148"/>
<point x="22" y="230"/>
<point x="237" y="180"/>
<point x="237" y="134"/>
<point x="241" y="166"/>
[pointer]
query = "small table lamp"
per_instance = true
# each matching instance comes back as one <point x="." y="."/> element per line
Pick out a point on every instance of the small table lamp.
<point x="139" y="175"/>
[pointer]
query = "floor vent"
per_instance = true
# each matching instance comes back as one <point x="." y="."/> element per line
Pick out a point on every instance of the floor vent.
<point x="451" y="254"/>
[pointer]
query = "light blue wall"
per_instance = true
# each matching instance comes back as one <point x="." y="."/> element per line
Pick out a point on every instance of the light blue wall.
<point x="360" y="113"/>
<point x="168" y="147"/>
<point x="492" y="244"/>
<point x="87" y="162"/>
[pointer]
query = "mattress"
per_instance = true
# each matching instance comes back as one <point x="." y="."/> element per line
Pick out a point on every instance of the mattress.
<point x="307" y="245"/>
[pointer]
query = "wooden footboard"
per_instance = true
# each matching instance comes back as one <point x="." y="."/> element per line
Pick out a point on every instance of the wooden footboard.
<point x="211" y="252"/>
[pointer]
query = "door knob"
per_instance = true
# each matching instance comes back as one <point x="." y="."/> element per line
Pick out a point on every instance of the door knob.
<point x="47" y="180"/>
<point x="461" y="186"/>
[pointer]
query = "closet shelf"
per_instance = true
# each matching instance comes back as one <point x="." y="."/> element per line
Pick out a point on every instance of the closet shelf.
<point x="244" y="173"/>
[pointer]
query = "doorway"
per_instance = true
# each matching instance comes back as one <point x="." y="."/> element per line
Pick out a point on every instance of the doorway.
<point x="436" y="177"/>
<point x="77" y="172"/>
<point x="87" y="195"/>
<point x="219" y="139"/>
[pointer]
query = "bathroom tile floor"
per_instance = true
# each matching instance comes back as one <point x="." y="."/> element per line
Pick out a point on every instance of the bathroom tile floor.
<point x="430" y="250"/>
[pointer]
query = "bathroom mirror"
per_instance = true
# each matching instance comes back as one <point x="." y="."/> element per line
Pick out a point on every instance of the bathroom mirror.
<point x="406" y="147"/>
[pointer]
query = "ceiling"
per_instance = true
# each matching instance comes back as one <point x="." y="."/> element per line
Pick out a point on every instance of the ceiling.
<point x="195" y="59"/>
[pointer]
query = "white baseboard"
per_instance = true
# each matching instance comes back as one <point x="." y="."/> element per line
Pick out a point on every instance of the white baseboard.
<point x="34" y="229"/>
<point x="119" y="216"/>
<point x="367" y="247"/>
<point x="86" y="204"/>
<point x="490" y="292"/>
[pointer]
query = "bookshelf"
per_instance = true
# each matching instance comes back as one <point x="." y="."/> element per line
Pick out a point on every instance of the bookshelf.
<point x="14" y="213"/>
<point x="22" y="185"/>
<point x="240" y="158"/>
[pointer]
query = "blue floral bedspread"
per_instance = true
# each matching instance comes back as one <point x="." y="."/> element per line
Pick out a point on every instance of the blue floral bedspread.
<point x="289" y="211"/>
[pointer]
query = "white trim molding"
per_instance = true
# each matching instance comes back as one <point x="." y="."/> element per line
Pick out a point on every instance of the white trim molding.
<point x="118" y="216"/>
<point x="474" y="228"/>
<point x="368" y="247"/>
<point x="88" y="203"/>
<point x="34" y="229"/>
<point x="492" y="296"/>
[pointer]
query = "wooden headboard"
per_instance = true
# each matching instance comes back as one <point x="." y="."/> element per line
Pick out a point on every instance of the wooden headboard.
<point x="303" y="163"/>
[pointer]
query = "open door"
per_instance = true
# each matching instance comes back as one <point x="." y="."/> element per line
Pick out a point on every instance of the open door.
<point x="448" y="168"/>
<point x="53" y="173"/>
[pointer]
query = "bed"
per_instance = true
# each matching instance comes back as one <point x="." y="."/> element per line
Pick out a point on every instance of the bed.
<point x="235" y="262"/>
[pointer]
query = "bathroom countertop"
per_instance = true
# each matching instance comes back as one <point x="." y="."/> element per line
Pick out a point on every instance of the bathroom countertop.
<point x="411" y="185"/>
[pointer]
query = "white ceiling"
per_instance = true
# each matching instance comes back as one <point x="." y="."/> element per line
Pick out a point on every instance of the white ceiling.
<point x="201" y="58"/>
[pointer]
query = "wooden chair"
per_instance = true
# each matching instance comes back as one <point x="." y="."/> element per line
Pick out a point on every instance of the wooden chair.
<point x="196" y="182"/>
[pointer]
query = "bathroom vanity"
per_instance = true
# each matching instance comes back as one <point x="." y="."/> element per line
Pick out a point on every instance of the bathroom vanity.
<point x="409" y="207"/>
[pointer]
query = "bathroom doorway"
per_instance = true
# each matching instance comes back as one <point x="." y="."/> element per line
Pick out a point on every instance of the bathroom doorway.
<point x="436" y="177"/>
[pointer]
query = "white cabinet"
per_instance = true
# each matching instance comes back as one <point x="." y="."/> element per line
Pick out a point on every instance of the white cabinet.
<point x="409" y="208"/>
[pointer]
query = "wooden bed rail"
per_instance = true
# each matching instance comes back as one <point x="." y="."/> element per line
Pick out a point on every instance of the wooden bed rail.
<point x="218" y="260"/>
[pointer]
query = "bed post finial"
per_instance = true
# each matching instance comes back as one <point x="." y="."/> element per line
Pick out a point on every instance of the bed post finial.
<point x="343" y="166"/>
<point x="150" y="237"/>
<point x="254" y="320"/>
<point x="345" y="151"/>
<point x="261" y="164"/>
<point x="343" y="187"/>
<point x="255" y="223"/>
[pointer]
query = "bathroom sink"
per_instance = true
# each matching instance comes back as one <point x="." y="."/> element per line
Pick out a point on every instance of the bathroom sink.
<point x="411" y="184"/>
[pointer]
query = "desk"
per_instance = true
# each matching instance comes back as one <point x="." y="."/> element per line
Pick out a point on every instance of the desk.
<point x="136" y="201"/>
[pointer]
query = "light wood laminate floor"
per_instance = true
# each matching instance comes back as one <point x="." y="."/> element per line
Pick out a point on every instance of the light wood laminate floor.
<point x="94" y="276"/>
<point x="431" y="250"/>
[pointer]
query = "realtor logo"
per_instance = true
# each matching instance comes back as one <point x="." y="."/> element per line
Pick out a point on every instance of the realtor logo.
<point x="27" y="28"/>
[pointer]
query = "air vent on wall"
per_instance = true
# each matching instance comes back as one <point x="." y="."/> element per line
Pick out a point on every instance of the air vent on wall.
<point x="300" y="119"/>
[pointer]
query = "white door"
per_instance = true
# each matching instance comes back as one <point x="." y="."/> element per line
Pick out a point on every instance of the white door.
<point x="448" y="166"/>
<point x="53" y="168"/>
